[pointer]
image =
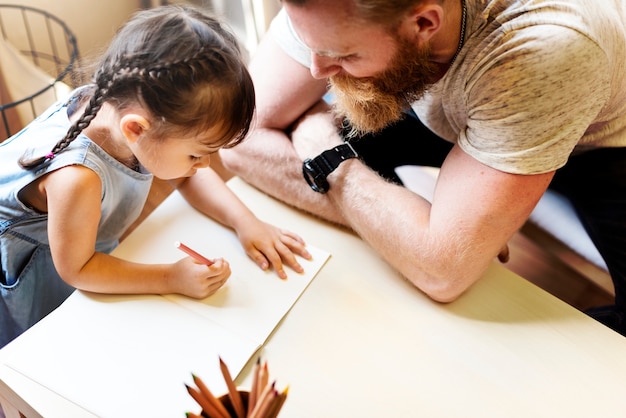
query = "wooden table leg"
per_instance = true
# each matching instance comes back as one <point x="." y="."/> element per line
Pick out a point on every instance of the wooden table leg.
<point x="9" y="410"/>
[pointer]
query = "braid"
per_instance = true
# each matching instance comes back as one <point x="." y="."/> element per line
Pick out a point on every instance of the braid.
<point x="183" y="71"/>
<point x="93" y="106"/>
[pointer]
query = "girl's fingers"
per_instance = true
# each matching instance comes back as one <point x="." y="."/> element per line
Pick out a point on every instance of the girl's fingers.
<point x="295" y="244"/>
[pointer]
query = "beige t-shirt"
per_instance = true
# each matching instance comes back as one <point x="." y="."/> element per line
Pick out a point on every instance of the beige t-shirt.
<point x="534" y="81"/>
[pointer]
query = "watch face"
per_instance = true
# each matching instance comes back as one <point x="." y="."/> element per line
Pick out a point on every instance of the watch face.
<point x="314" y="176"/>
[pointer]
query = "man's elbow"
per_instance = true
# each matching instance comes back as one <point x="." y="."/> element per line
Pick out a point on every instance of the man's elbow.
<point x="446" y="295"/>
<point x="444" y="289"/>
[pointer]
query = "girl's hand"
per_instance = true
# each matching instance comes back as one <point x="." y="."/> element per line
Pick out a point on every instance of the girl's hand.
<point x="191" y="278"/>
<point x="268" y="246"/>
<point x="265" y="244"/>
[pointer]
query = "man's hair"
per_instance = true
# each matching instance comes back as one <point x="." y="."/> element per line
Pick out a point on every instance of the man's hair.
<point x="382" y="12"/>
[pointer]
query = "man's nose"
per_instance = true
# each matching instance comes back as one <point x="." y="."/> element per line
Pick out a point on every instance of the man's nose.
<point x="324" y="67"/>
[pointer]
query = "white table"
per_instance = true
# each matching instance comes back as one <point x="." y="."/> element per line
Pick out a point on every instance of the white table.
<point x="362" y="342"/>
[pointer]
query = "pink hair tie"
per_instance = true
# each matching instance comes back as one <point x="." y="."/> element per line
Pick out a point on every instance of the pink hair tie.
<point x="50" y="155"/>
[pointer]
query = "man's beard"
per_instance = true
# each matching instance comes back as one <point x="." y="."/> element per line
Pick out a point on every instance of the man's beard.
<point x="371" y="103"/>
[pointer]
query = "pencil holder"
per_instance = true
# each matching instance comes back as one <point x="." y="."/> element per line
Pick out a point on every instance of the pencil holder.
<point x="225" y="400"/>
<point x="262" y="401"/>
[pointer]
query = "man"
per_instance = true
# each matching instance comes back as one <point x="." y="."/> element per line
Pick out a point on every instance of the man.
<point x="525" y="95"/>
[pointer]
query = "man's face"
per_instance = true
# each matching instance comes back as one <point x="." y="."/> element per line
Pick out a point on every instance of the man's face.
<point x="372" y="103"/>
<point x="374" y="73"/>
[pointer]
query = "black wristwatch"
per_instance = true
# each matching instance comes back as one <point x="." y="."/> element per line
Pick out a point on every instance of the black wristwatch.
<point x="317" y="169"/>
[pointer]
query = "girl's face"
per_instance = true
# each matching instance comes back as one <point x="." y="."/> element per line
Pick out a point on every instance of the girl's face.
<point x="174" y="157"/>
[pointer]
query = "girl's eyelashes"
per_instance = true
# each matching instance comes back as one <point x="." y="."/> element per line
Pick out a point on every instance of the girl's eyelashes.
<point x="204" y="154"/>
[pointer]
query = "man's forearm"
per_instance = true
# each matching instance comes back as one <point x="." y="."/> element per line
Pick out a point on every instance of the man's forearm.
<point x="268" y="161"/>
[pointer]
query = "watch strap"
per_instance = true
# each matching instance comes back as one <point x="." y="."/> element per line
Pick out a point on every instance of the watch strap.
<point x="317" y="169"/>
<point x="330" y="159"/>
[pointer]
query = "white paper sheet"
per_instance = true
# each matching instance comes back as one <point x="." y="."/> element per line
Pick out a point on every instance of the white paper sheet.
<point x="252" y="301"/>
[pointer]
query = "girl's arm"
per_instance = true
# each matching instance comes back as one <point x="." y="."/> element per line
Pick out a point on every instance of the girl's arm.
<point x="266" y="244"/>
<point x="73" y="196"/>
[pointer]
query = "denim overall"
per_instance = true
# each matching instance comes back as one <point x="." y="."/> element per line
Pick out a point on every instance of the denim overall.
<point x="29" y="283"/>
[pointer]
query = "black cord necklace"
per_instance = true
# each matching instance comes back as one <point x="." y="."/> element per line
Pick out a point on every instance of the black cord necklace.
<point x="463" y="24"/>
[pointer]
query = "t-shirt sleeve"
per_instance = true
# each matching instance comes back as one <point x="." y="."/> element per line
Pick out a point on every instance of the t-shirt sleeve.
<point x="529" y="103"/>
<point x="283" y="33"/>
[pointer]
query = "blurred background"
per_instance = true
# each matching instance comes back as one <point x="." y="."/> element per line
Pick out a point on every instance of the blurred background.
<point x="94" y="22"/>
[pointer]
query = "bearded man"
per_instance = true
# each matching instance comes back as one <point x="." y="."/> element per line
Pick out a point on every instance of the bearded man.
<point x="508" y="97"/>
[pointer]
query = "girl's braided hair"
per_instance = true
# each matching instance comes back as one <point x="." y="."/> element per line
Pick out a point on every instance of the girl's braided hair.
<point x="183" y="66"/>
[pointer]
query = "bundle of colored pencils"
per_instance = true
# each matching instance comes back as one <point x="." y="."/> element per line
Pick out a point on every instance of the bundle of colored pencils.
<point x="263" y="400"/>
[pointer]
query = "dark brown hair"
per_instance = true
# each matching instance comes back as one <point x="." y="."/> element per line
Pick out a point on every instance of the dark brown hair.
<point x="183" y="66"/>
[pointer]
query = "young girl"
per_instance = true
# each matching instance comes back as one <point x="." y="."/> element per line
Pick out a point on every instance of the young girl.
<point x="171" y="90"/>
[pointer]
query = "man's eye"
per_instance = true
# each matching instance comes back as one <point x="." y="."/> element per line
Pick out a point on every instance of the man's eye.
<point x="346" y="58"/>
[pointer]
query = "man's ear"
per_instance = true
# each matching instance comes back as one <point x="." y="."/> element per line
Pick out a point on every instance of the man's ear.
<point x="425" y="20"/>
<point x="133" y="126"/>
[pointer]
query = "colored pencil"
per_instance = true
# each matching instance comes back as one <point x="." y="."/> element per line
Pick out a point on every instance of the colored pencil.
<point x="263" y="380"/>
<point x="278" y="404"/>
<point x="255" y="383"/>
<point x="204" y="390"/>
<point x="233" y="393"/>
<point x="198" y="257"/>
<point x="263" y="401"/>
<point x="204" y="403"/>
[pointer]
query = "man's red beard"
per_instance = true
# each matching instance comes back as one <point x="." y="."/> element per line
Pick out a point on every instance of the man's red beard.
<point x="372" y="103"/>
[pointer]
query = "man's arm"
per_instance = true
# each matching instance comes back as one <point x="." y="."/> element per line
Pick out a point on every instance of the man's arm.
<point x="445" y="247"/>
<point x="285" y="90"/>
